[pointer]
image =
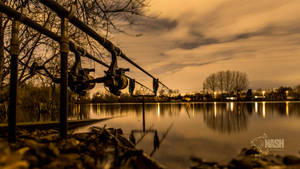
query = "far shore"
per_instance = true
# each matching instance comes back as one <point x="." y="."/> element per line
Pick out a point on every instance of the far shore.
<point x="183" y="101"/>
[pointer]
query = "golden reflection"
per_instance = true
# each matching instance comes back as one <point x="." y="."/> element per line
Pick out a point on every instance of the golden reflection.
<point x="231" y="106"/>
<point x="264" y="109"/>
<point x="193" y="110"/>
<point x="256" y="107"/>
<point x="215" y="109"/>
<point x="287" y="108"/>
<point x="158" y="109"/>
<point x="98" y="109"/>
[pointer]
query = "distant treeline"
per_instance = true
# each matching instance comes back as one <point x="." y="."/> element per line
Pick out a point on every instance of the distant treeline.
<point x="226" y="82"/>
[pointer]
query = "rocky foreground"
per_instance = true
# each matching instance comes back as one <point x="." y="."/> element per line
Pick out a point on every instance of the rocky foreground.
<point x="108" y="149"/>
<point x="252" y="158"/>
<point x="99" y="148"/>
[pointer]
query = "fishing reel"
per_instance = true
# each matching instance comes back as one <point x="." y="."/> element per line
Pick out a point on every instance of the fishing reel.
<point x="116" y="82"/>
<point x="79" y="79"/>
<point x="78" y="83"/>
<point x="115" y="78"/>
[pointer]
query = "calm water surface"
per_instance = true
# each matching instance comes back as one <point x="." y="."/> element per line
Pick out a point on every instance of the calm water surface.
<point x="212" y="131"/>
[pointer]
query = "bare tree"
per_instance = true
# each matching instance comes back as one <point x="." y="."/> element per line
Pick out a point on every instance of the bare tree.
<point x="229" y="81"/>
<point x="241" y="81"/>
<point x="211" y="82"/>
<point x="221" y="79"/>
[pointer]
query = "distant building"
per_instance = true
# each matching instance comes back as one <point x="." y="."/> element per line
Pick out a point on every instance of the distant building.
<point x="231" y="98"/>
<point x="259" y="97"/>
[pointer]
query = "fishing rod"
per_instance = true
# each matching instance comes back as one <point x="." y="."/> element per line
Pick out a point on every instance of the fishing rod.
<point x="73" y="46"/>
<point x="108" y="45"/>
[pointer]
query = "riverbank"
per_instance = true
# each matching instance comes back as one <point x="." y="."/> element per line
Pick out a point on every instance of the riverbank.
<point x="99" y="148"/>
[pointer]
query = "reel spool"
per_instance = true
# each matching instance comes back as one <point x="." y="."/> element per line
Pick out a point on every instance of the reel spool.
<point x="117" y="82"/>
<point x="81" y="82"/>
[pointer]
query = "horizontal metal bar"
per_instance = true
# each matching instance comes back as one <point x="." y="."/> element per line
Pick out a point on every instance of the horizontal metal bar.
<point x="108" y="45"/>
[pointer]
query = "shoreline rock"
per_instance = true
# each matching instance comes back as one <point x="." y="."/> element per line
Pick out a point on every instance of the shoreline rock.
<point x="251" y="158"/>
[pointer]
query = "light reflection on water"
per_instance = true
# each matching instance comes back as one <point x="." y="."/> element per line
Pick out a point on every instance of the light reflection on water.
<point x="212" y="131"/>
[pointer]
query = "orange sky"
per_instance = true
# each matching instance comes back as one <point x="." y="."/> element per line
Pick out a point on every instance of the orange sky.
<point x="188" y="40"/>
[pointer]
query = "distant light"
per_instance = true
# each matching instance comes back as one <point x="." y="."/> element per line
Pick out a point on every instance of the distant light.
<point x="215" y="95"/>
<point x="231" y="98"/>
<point x="259" y="97"/>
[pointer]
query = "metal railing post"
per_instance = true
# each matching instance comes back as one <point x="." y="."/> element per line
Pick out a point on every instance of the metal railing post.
<point x="14" y="52"/>
<point x="64" y="50"/>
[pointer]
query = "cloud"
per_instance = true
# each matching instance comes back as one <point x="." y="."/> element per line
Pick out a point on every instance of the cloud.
<point x="196" y="43"/>
<point x="153" y="24"/>
<point x="198" y="39"/>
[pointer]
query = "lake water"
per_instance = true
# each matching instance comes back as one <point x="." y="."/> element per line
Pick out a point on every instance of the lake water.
<point x="212" y="131"/>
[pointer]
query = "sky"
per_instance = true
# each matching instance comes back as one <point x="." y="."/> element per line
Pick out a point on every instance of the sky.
<point x="182" y="42"/>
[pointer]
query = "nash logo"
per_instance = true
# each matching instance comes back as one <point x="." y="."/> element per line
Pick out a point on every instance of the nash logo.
<point x="266" y="144"/>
